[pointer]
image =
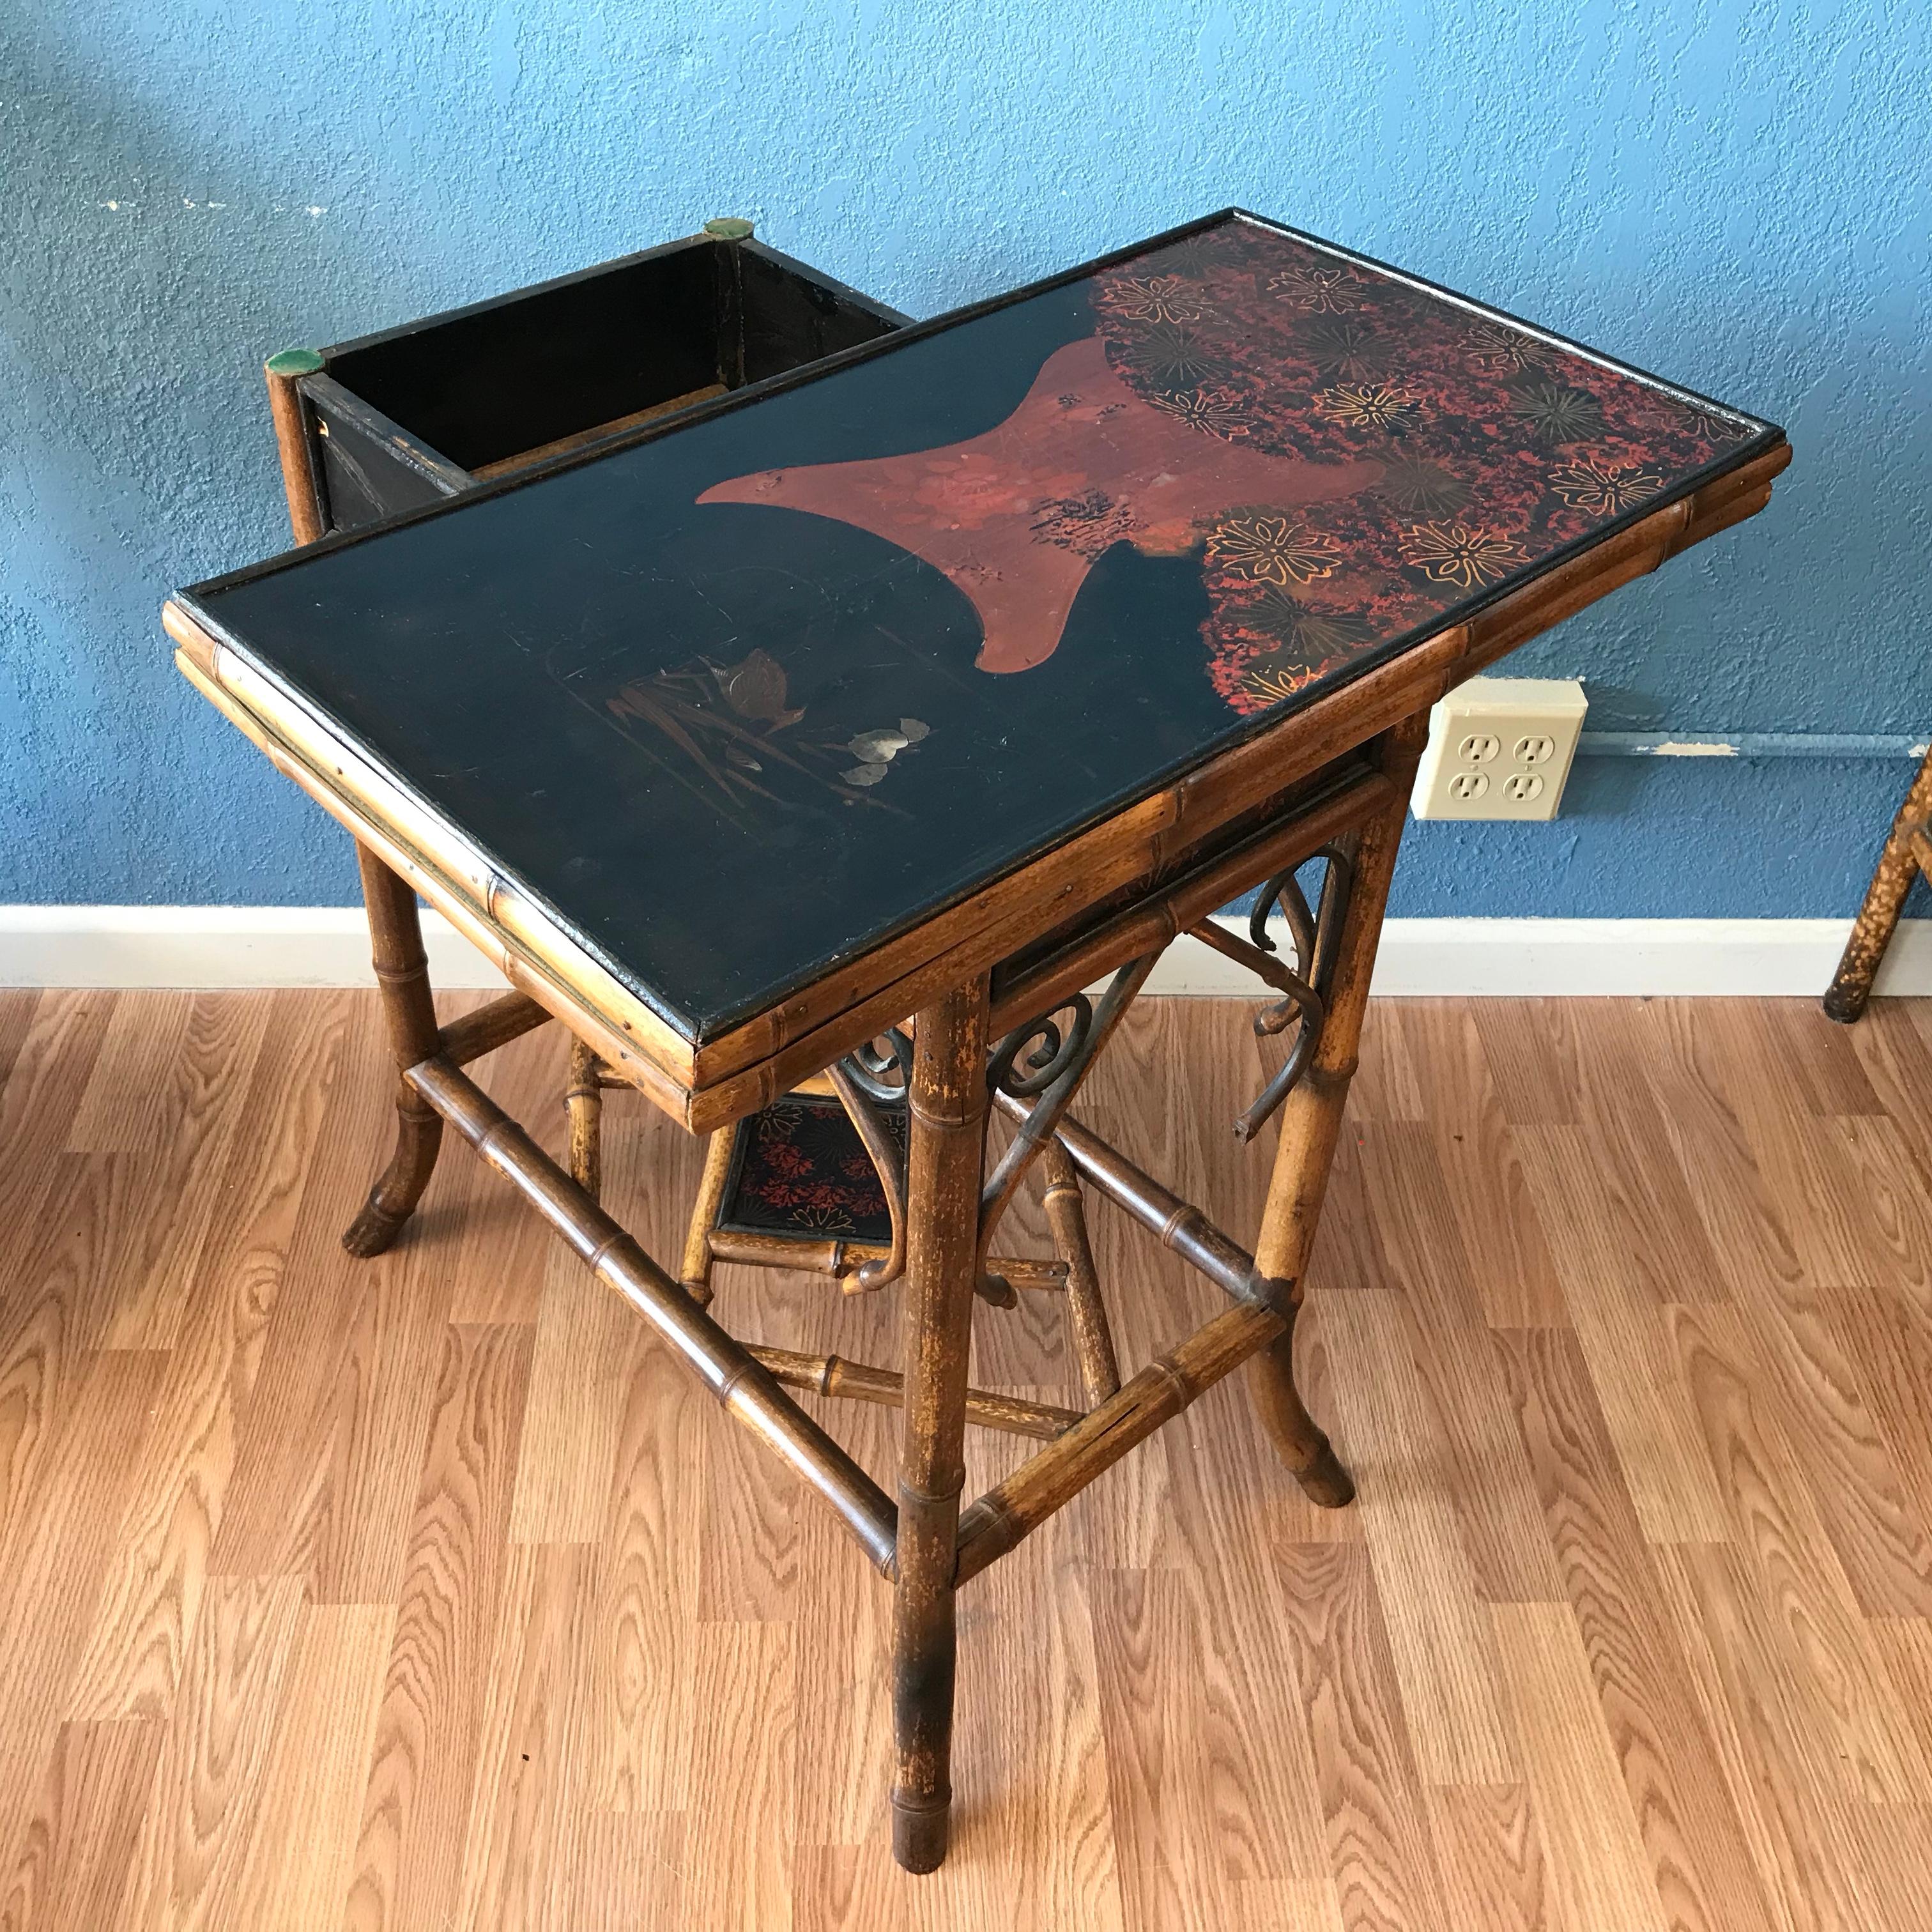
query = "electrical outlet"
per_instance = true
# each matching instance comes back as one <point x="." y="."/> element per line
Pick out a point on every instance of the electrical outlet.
<point x="1500" y="747"/>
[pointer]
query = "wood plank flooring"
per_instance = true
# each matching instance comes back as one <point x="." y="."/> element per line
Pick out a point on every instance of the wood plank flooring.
<point x="422" y="1593"/>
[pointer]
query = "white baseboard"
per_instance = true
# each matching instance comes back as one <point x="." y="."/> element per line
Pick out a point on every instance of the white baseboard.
<point x="1555" y="957"/>
<point x="327" y="946"/>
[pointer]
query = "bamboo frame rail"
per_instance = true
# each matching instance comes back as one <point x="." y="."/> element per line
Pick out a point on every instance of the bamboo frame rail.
<point x="834" y="1376"/>
<point x="504" y="1019"/>
<point x="746" y="1389"/>
<point x="1013" y="1509"/>
<point x="1264" y="966"/>
<point x="839" y="1258"/>
<point x="1178" y="1224"/>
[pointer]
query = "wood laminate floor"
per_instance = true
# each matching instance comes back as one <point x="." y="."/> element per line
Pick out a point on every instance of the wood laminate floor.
<point x="422" y="1594"/>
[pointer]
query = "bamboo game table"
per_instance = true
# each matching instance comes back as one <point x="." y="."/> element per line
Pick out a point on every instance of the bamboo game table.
<point x="832" y="745"/>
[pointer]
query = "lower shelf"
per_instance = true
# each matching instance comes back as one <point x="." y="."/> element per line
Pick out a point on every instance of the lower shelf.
<point x="800" y="1172"/>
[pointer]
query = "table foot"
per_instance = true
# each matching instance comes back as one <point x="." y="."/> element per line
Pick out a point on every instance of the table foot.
<point x="920" y="1832"/>
<point x="393" y="1199"/>
<point x="1300" y="1443"/>
<point x="1324" y="1481"/>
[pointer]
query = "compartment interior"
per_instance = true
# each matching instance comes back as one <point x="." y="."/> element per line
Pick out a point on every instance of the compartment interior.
<point x="510" y="381"/>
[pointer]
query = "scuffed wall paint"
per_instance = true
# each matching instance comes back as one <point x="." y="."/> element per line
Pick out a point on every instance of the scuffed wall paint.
<point x="1734" y="194"/>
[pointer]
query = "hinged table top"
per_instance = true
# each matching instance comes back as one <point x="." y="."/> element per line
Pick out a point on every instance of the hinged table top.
<point x="740" y="700"/>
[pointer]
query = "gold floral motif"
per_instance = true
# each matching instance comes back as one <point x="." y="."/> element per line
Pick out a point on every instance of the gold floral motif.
<point x="1370" y="406"/>
<point x="1337" y="291"/>
<point x="1603" y="489"/>
<point x="1151" y="298"/>
<point x="1214" y="412"/>
<point x="1470" y="554"/>
<point x="1274" y="683"/>
<point x="1711" y="423"/>
<point x="1273" y="549"/>
<point x="1503" y="351"/>
<point x="827" y="1220"/>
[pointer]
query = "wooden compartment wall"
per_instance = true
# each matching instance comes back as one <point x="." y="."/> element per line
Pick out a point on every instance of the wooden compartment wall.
<point x="415" y="414"/>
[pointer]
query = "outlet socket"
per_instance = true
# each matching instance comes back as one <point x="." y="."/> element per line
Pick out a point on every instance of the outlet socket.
<point x="1500" y="747"/>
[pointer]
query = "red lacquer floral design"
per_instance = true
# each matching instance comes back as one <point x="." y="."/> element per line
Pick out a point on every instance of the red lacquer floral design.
<point x="1348" y="455"/>
<point x="800" y="1169"/>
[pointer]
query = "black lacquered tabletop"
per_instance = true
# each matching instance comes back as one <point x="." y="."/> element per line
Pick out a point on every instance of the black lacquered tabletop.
<point x="739" y="700"/>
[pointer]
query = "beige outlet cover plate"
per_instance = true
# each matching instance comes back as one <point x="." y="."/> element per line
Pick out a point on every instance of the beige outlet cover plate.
<point x="1500" y="747"/>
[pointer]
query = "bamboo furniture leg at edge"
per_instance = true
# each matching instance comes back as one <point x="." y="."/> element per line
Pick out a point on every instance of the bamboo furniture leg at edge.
<point x="945" y="1158"/>
<point x="402" y="975"/>
<point x="583" y="1102"/>
<point x="1310" y="1120"/>
<point x="1885" y="899"/>
<point x="1086" y="1313"/>
<point x="696" y="1270"/>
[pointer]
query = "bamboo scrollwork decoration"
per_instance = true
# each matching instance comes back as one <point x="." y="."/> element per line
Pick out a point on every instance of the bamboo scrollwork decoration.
<point x="1317" y="936"/>
<point x="1044" y="1061"/>
<point x="1054" y="1048"/>
<point x="860" y="1081"/>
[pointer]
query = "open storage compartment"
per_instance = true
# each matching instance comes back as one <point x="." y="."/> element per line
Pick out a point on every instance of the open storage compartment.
<point x="415" y="414"/>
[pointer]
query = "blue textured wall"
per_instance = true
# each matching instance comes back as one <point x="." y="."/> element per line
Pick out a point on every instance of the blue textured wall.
<point x="1735" y="195"/>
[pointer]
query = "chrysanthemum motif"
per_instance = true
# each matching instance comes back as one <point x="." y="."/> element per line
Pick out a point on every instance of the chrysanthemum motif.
<point x="1712" y="425"/>
<point x="1273" y="549"/>
<point x="1469" y="554"/>
<point x="828" y="1220"/>
<point x="1151" y="298"/>
<point x="1085" y="524"/>
<point x="1504" y="351"/>
<point x="1171" y="357"/>
<point x="1349" y="350"/>
<point x="1271" y="682"/>
<point x="1310" y="636"/>
<point x="1555" y="412"/>
<point x="1603" y="489"/>
<point x="1325" y="291"/>
<point x="1377" y="405"/>
<point x="1213" y="411"/>
<point x="1420" y="488"/>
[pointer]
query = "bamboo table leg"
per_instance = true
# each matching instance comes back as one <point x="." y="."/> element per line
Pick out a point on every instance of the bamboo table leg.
<point x="697" y="1256"/>
<point x="1885" y="898"/>
<point x="1086" y="1314"/>
<point x="1310" y="1120"/>
<point x="946" y="1157"/>
<point x="402" y="973"/>
<point x="584" y="1102"/>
